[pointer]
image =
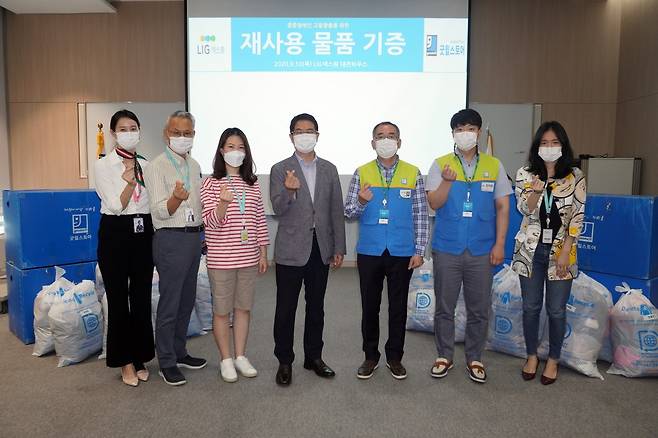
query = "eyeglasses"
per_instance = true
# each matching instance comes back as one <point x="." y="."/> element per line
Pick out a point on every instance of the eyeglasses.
<point x="304" y="131"/>
<point x="177" y="133"/>
<point x="553" y="143"/>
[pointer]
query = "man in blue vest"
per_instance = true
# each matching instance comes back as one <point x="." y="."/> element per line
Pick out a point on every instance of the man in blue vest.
<point x="388" y="196"/>
<point x="470" y="192"/>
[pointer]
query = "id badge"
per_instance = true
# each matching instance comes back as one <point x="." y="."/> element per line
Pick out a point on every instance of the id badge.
<point x="487" y="187"/>
<point x="138" y="225"/>
<point x="189" y="215"/>
<point x="383" y="216"/>
<point x="468" y="209"/>
<point x="405" y="193"/>
<point x="547" y="235"/>
<point x="244" y="236"/>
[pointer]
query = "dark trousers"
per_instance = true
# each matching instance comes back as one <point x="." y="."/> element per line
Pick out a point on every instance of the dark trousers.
<point x="177" y="255"/>
<point x="289" y="279"/>
<point x="372" y="270"/>
<point x="126" y="264"/>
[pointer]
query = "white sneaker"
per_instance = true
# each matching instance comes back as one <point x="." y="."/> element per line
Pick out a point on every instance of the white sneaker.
<point x="246" y="369"/>
<point x="227" y="371"/>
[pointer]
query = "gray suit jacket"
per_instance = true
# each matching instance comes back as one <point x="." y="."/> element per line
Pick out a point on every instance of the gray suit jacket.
<point x="296" y="215"/>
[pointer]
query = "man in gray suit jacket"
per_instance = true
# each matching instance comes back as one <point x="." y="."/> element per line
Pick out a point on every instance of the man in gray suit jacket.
<point x="307" y="199"/>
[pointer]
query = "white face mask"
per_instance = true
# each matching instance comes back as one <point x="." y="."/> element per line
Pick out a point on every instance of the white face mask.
<point x="550" y="154"/>
<point x="128" y="140"/>
<point x="234" y="158"/>
<point x="181" y="145"/>
<point x="305" y="143"/>
<point x="386" y="147"/>
<point x="466" y="140"/>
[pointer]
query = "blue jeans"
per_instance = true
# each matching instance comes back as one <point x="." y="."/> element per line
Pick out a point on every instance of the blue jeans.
<point x="557" y="294"/>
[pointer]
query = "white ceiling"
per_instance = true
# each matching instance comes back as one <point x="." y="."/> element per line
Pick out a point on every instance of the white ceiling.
<point x="57" y="6"/>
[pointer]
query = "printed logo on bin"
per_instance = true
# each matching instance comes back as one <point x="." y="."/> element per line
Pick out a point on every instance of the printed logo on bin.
<point x="423" y="300"/>
<point x="503" y="325"/>
<point x="648" y="340"/>
<point x="587" y="233"/>
<point x="80" y="223"/>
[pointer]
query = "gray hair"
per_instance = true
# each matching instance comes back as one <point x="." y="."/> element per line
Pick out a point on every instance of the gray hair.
<point x="180" y="114"/>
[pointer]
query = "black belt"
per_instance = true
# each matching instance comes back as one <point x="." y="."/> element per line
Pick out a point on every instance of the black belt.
<point x="197" y="229"/>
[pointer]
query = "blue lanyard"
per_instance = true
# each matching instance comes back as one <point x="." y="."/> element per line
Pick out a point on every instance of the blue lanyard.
<point x="385" y="183"/>
<point x="548" y="201"/>
<point x="242" y="201"/>
<point x="184" y="176"/>
<point x="469" y="181"/>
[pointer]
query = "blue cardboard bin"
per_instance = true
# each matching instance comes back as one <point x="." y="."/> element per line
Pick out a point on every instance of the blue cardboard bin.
<point x="610" y="281"/>
<point x="24" y="285"/>
<point x="620" y="236"/>
<point x="47" y="228"/>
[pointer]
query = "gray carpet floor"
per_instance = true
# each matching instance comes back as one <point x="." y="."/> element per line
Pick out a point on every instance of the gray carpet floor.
<point x="37" y="399"/>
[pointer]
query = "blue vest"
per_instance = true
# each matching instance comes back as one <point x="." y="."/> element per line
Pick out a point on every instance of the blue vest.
<point x="454" y="233"/>
<point x="398" y="236"/>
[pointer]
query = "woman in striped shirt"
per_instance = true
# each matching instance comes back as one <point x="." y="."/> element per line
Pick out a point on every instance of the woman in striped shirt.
<point x="236" y="235"/>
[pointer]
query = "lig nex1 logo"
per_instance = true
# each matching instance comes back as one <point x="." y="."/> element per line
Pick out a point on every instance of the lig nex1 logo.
<point x="208" y="46"/>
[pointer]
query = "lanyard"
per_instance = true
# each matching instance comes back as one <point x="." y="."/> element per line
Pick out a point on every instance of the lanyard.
<point x="548" y="203"/>
<point x="469" y="181"/>
<point x="184" y="176"/>
<point x="387" y="184"/>
<point x="242" y="201"/>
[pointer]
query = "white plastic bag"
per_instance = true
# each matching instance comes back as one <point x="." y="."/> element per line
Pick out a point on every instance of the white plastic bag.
<point x="103" y="354"/>
<point x="460" y="317"/>
<point x="420" y="300"/>
<point x="587" y="316"/>
<point x="634" y="334"/>
<point x="43" y="335"/>
<point x="506" y="318"/>
<point x="76" y="321"/>
<point x="203" y="304"/>
<point x="193" y="329"/>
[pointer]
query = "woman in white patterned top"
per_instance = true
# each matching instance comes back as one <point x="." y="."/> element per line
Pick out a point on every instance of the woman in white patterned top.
<point x="551" y="196"/>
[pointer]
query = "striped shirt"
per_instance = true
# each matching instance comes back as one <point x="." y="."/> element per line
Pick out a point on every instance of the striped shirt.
<point x="160" y="178"/>
<point x="224" y="237"/>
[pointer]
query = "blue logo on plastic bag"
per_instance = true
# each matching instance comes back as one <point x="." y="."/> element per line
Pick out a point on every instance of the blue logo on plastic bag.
<point x="503" y="325"/>
<point x="90" y="322"/>
<point x="645" y="310"/>
<point x="648" y="340"/>
<point x="422" y="300"/>
<point x="571" y="300"/>
<point x="505" y="298"/>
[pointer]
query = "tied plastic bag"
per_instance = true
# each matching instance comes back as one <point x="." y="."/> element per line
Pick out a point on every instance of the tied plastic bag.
<point x="103" y="354"/>
<point x="420" y="300"/>
<point x="203" y="304"/>
<point x="76" y="321"/>
<point x="193" y="329"/>
<point x="634" y="334"/>
<point x="43" y="335"/>
<point x="506" y="317"/>
<point x="587" y="316"/>
<point x="100" y="284"/>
